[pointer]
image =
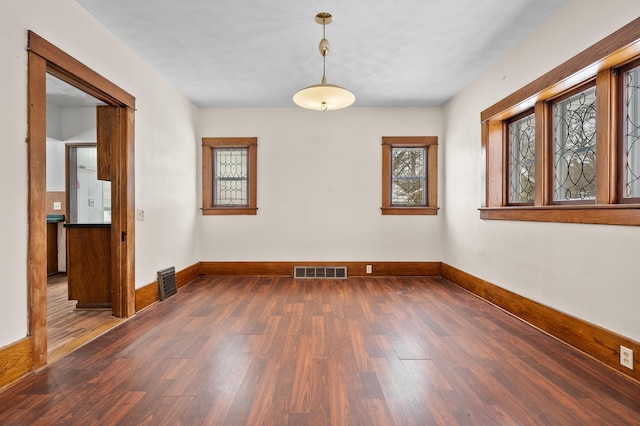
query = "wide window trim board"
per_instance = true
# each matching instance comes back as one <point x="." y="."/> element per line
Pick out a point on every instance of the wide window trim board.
<point x="430" y="144"/>
<point x="601" y="62"/>
<point x="209" y="145"/>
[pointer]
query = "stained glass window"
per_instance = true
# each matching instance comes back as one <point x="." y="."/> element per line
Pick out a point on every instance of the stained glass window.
<point x="574" y="147"/>
<point x="522" y="158"/>
<point x="231" y="176"/>
<point x="632" y="134"/>
<point x="408" y="176"/>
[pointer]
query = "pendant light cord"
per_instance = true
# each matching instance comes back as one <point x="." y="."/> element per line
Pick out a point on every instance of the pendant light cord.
<point x="324" y="55"/>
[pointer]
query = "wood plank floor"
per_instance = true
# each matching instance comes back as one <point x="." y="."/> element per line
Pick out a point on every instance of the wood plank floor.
<point x="365" y="351"/>
<point x="67" y="328"/>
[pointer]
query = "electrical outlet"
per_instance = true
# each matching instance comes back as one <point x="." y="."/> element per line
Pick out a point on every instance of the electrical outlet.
<point x="140" y="214"/>
<point x="626" y="357"/>
<point x="57" y="205"/>
<point x="369" y="269"/>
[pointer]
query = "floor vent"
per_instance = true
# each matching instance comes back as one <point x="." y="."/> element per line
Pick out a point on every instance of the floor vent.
<point x="330" y="272"/>
<point x="167" y="283"/>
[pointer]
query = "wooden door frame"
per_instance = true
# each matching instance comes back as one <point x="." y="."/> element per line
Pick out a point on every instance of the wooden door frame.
<point x="45" y="58"/>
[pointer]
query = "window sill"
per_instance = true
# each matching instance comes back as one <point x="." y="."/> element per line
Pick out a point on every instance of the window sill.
<point x="230" y="211"/>
<point x="410" y="211"/>
<point x="610" y="214"/>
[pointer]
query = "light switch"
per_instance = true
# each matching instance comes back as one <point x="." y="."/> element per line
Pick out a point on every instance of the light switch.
<point x="57" y="205"/>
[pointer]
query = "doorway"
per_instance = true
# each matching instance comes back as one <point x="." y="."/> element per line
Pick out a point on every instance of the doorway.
<point x="115" y="143"/>
<point x="75" y="196"/>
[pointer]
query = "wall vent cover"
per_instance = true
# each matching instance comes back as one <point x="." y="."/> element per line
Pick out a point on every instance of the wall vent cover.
<point x="167" y="283"/>
<point x="323" y="272"/>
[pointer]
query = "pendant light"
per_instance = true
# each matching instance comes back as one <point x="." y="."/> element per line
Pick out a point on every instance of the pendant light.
<point x="324" y="96"/>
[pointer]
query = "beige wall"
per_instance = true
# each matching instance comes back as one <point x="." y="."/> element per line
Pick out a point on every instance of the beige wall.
<point x="319" y="187"/>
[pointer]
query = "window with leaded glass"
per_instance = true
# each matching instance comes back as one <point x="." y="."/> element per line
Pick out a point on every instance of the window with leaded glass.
<point x="229" y="175"/>
<point x="522" y="159"/>
<point x="409" y="174"/>
<point x="586" y="126"/>
<point x="631" y="134"/>
<point x="574" y="146"/>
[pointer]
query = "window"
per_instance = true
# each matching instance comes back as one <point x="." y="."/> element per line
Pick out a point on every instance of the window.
<point x="522" y="156"/>
<point x="229" y="176"/>
<point x="630" y="149"/>
<point x="574" y="146"/>
<point x="566" y="147"/>
<point x="410" y="175"/>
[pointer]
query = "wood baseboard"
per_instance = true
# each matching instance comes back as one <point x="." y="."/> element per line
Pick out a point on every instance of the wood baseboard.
<point x="285" y="269"/>
<point x="148" y="294"/>
<point x="16" y="360"/>
<point x="595" y="341"/>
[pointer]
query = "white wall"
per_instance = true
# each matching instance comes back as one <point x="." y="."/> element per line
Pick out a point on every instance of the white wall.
<point x="54" y="121"/>
<point x="165" y="147"/>
<point x="55" y="165"/>
<point x="319" y="187"/>
<point x="79" y="124"/>
<point x="166" y="185"/>
<point x="585" y="270"/>
<point x="65" y="125"/>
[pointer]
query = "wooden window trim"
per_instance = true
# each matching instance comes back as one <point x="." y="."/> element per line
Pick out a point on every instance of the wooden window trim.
<point x="599" y="62"/>
<point x="208" y="145"/>
<point x="429" y="142"/>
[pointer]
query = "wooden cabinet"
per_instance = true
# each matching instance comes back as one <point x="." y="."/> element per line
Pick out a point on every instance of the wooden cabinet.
<point x="53" y="220"/>
<point x="52" y="248"/>
<point x="89" y="265"/>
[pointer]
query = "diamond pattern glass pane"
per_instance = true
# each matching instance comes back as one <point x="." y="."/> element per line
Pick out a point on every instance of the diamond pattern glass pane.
<point x="408" y="176"/>
<point x="632" y="133"/>
<point x="522" y="158"/>
<point x="574" y="146"/>
<point x="231" y="186"/>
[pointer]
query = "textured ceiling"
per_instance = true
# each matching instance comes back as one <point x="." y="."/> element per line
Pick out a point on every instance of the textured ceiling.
<point x="66" y="96"/>
<point x="258" y="53"/>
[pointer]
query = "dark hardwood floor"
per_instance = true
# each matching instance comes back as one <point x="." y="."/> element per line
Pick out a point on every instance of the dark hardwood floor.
<point x="365" y="351"/>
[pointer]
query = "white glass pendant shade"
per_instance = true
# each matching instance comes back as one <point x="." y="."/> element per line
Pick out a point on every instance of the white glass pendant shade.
<point x="324" y="97"/>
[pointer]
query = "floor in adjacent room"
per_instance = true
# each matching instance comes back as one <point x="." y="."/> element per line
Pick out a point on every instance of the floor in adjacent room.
<point x="68" y="328"/>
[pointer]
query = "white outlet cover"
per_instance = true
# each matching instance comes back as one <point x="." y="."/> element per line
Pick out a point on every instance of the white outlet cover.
<point x="140" y="214"/>
<point x="626" y="357"/>
<point x="57" y="205"/>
